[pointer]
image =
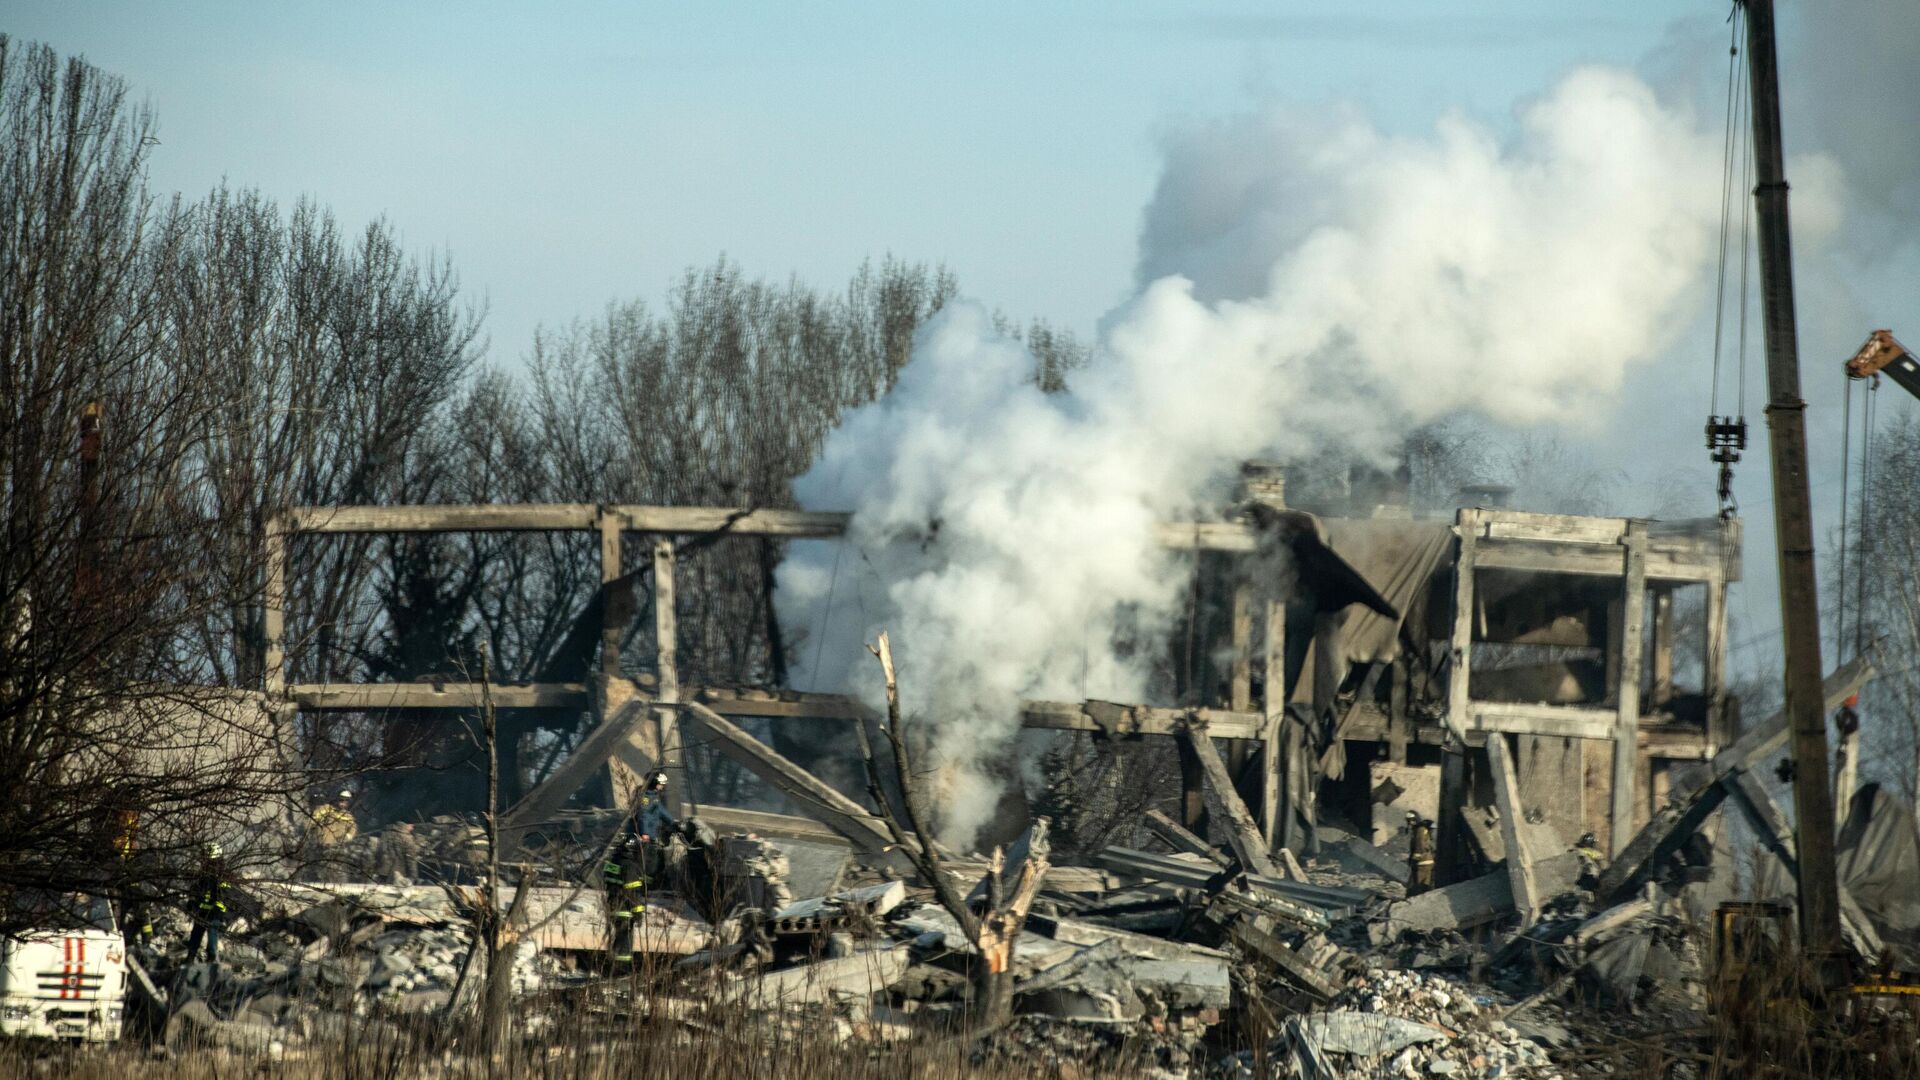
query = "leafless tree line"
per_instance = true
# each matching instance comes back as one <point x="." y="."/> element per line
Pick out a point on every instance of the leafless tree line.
<point x="1878" y="600"/>
<point x="150" y="357"/>
<point x="227" y="357"/>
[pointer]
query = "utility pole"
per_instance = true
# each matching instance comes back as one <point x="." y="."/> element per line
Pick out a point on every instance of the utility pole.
<point x="1792" y="505"/>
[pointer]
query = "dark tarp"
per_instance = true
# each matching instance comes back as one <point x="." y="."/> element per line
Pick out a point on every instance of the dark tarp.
<point x="1398" y="558"/>
<point x="1878" y="856"/>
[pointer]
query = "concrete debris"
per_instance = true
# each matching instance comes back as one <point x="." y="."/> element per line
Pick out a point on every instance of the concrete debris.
<point x="1474" y="902"/>
<point x="840" y="909"/>
<point x="855" y="978"/>
<point x="1144" y="964"/>
<point x="755" y="872"/>
<point x="1363" y="1035"/>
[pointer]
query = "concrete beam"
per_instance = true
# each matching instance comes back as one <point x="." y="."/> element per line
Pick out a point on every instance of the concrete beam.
<point x="563" y="517"/>
<point x="843" y="815"/>
<point x="1626" y="746"/>
<point x="1506" y="798"/>
<point x="1196" y="875"/>
<point x="1474" y="902"/>
<point x="861" y="975"/>
<point x="1671" y="826"/>
<point x="1243" y="833"/>
<point x="359" y="697"/>
<point x="1180" y="839"/>
<point x="579" y="766"/>
<point x="1257" y="937"/>
<point x="1114" y="719"/>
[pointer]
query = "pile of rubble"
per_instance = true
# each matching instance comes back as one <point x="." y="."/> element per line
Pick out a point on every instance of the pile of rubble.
<point x="1404" y="1024"/>
<point x="1177" y="963"/>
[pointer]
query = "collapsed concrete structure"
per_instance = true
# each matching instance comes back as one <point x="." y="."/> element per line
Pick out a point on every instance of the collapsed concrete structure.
<point x="1522" y="678"/>
<point x="1373" y="658"/>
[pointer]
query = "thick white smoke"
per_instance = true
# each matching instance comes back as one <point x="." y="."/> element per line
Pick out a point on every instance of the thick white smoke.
<point x="1314" y="285"/>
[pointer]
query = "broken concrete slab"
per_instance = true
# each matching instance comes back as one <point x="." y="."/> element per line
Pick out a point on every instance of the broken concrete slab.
<point x="816" y="867"/>
<point x="1256" y="935"/>
<point x="1195" y="874"/>
<point x="1397" y="789"/>
<point x="1199" y="979"/>
<point x="661" y="933"/>
<point x="194" y="1024"/>
<point x="1345" y="845"/>
<point x="936" y="927"/>
<point x="1476" y="902"/>
<point x="820" y="912"/>
<point x="1612" y="919"/>
<point x="861" y="975"/>
<point x="1366" y="1035"/>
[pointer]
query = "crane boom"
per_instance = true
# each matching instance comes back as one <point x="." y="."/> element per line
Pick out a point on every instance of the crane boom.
<point x="1884" y="355"/>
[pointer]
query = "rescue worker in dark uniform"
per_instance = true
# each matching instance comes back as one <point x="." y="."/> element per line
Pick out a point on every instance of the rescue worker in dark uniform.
<point x="1419" y="854"/>
<point x="211" y="890"/>
<point x="634" y="860"/>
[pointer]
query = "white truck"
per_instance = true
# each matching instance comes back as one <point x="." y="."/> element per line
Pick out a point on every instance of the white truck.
<point x="63" y="984"/>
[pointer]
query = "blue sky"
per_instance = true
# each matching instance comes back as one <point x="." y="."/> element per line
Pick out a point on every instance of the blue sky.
<point x="565" y="155"/>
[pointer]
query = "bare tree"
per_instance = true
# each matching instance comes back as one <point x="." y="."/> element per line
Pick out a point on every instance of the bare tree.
<point x="1003" y="902"/>
<point x="117" y="758"/>
<point x="1880" y="599"/>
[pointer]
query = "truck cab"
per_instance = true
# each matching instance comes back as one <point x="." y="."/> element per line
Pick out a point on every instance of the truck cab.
<point x="63" y="984"/>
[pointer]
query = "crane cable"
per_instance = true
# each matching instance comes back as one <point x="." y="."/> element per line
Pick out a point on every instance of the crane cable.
<point x="1727" y="435"/>
<point x="1728" y="138"/>
<point x="1846" y="475"/>
<point x="1869" y="409"/>
<point x="1869" y="413"/>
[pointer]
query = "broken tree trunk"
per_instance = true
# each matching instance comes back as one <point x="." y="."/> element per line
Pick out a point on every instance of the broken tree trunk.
<point x="993" y="931"/>
<point x="1006" y="913"/>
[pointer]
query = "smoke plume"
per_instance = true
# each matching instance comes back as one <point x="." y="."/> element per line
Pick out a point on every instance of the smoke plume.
<point x="1308" y="283"/>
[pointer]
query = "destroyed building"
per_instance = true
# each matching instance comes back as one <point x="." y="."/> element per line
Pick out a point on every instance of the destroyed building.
<point x="1521" y="678"/>
<point x="1594" y="646"/>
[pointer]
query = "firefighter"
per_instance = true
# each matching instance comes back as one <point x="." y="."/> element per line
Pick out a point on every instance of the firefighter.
<point x="634" y="859"/>
<point x="211" y="892"/>
<point x="1592" y="860"/>
<point x="333" y="823"/>
<point x="1419" y="854"/>
<point x="329" y="830"/>
<point x="136" y="921"/>
<point x="126" y="833"/>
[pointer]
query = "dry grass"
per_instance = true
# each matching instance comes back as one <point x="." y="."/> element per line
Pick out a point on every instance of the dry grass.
<point x="610" y="1031"/>
<point x="1773" y="1022"/>
<point x="652" y="1048"/>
